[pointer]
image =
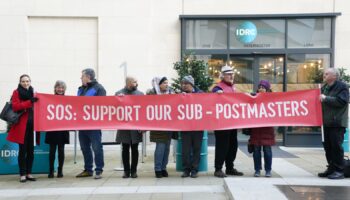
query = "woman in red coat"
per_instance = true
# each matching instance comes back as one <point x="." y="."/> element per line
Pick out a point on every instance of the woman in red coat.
<point x="262" y="138"/>
<point x="22" y="133"/>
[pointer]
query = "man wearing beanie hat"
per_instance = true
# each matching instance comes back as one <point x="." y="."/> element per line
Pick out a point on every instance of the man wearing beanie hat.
<point x="226" y="143"/>
<point x="191" y="140"/>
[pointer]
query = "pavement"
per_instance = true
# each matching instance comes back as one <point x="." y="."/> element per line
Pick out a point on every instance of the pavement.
<point x="293" y="177"/>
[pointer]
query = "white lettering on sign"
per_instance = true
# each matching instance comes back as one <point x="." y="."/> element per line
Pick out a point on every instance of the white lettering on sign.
<point x="245" y="32"/>
<point x="190" y="112"/>
<point x="59" y="112"/>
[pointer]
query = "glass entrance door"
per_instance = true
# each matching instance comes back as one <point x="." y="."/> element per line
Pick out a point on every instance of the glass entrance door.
<point x="249" y="70"/>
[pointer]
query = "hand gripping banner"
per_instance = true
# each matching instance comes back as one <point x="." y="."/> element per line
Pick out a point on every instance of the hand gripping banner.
<point x="178" y="112"/>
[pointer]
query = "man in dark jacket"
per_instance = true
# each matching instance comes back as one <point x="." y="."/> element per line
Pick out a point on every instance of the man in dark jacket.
<point x="226" y="143"/>
<point x="191" y="140"/>
<point x="129" y="138"/>
<point x="91" y="138"/>
<point x="335" y="101"/>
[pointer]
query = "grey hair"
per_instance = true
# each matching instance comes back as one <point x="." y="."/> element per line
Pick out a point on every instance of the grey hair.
<point x="335" y="71"/>
<point x="89" y="72"/>
<point x="60" y="83"/>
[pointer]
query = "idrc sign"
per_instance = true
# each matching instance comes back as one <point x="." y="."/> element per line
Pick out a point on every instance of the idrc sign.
<point x="9" y="156"/>
<point x="246" y="32"/>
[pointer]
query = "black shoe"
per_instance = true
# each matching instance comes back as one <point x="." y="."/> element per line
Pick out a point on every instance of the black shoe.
<point x="60" y="175"/>
<point x="165" y="173"/>
<point x="126" y="175"/>
<point x="325" y="173"/>
<point x="133" y="175"/>
<point x="194" y="174"/>
<point x="50" y="175"/>
<point x="185" y="174"/>
<point x="336" y="175"/>
<point x="233" y="172"/>
<point x="158" y="174"/>
<point x="220" y="174"/>
<point x="30" y="178"/>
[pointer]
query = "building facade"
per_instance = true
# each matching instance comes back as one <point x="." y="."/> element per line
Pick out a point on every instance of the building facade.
<point x="288" y="43"/>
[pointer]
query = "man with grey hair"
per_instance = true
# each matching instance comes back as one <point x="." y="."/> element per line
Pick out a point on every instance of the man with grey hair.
<point x="91" y="138"/>
<point x="335" y="102"/>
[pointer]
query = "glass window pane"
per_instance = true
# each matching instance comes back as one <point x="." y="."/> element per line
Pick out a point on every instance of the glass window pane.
<point x="271" y="69"/>
<point x="215" y="62"/>
<point x="257" y="34"/>
<point x="309" y="33"/>
<point x="305" y="71"/>
<point x="206" y="34"/>
<point x="243" y="69"/>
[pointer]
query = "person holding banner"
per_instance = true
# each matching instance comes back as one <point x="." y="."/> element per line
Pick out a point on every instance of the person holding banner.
<point x="226" y="143"/>
<point x="161" y="138"/>
<point x="262" y="138"/>
<point x="22" y="132"/>
<point x="129" y="138"/>
<point x="335" y="103"/>
<point x="91" y="138"/>
<point x="57" y="139"/>
<point x="191" y="140"/>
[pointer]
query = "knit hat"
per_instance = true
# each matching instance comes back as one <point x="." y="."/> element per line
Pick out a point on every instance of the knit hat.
<point x="226" y="70"/>
<point x="162" y="80"/>
<point x="188" y="79"/>
<point x="265" y="84"/>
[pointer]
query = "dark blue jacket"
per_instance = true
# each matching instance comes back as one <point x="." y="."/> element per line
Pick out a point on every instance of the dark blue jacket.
<point x="92" y="89"/>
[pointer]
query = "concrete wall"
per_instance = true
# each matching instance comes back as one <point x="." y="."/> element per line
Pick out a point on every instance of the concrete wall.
<point x="143" y="33"/>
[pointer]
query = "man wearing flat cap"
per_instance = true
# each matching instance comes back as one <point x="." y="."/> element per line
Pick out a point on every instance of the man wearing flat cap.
<point x="226" y="143"/>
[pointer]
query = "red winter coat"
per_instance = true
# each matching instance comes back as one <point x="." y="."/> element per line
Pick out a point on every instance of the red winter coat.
<point x="264" y="136"/>
<point x="17" y="131"/>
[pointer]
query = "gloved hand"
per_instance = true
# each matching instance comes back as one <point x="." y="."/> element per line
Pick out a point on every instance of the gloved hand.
<point x="34" y="99"/>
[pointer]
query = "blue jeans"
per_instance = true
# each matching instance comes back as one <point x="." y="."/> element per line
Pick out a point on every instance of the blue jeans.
<point x="161" y="156"/>
<point x="267" y="158"/>
<point x="91" y="141"/>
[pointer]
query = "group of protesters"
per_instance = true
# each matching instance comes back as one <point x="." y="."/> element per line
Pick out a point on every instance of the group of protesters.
<point x="334" y="98"/>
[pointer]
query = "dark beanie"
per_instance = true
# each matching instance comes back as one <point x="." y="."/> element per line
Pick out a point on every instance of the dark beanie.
<point x="162" y="80"/>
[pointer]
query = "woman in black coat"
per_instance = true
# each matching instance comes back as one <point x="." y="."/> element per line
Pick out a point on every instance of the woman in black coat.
<point x="57" y="139"/>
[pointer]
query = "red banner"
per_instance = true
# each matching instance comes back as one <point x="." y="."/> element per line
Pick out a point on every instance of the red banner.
<point x="178" y="111"/>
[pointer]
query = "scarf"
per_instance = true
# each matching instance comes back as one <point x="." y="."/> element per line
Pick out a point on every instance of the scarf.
<point x="25" y="94"/>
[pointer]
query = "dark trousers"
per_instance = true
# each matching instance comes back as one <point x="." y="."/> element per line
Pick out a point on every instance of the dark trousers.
<point x="26" y="153"/>
<point x="191" y="148"/>
<point x="52" y="157"/>
<point x="134" y="157"/>
<point x="226" y="146"/>
<point x="333" y="140"/>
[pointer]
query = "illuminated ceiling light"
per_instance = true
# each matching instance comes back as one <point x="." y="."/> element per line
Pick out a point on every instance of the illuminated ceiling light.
<point x="235" y="70"/>
<point x="287" y="70"/>
<point x="265" y="66"/>
<point x="230" y="62"/>
<point x="210" y="68"/>
<point x="188" y="60"/>
<point x="238" y="72"/>
<point x="305" y="66"/>
<point x="269" y="64"/>
<point x="312" y="64"/>
<point x="280" y="59"/>
<point x="319" y="61"/>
